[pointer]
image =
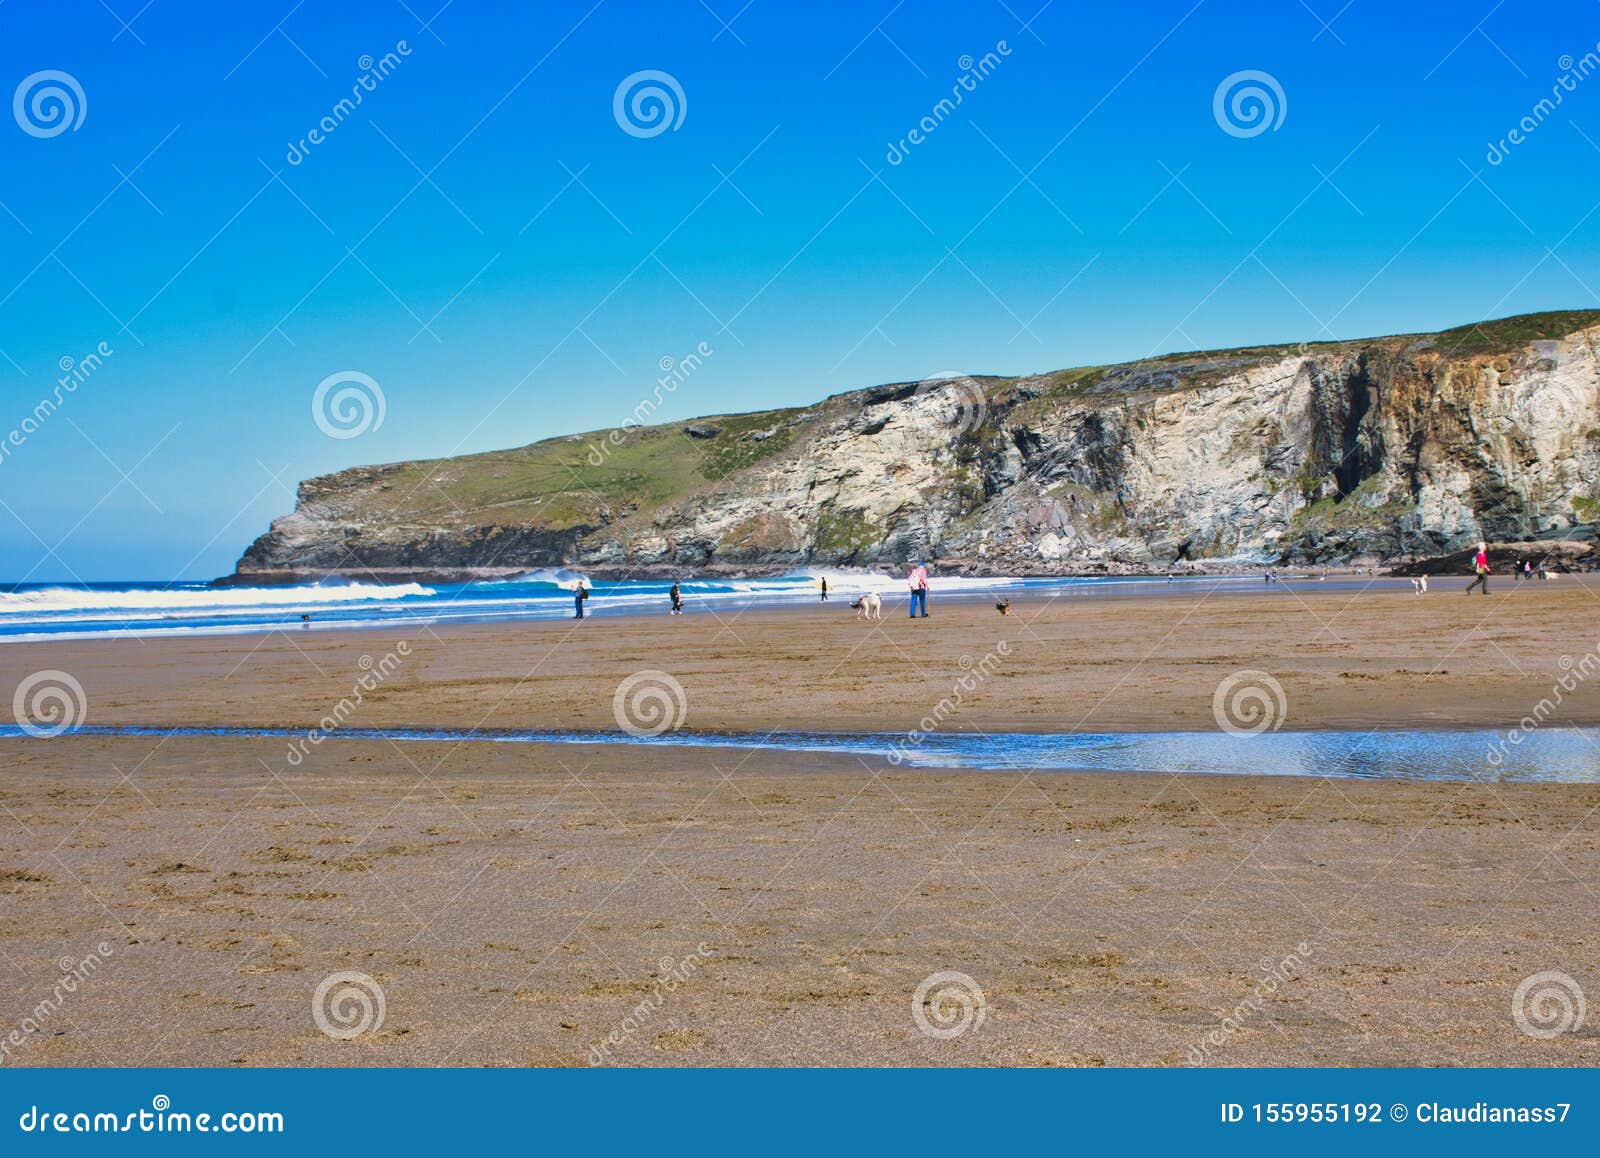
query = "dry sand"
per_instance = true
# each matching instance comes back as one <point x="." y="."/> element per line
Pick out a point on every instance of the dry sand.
<point x="1345" y="660"/>
<point x="516" y="903"/>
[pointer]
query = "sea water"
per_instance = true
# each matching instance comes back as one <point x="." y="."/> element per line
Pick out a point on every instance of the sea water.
<point x="77" y="611"/>
<point x="1563" y="755"/>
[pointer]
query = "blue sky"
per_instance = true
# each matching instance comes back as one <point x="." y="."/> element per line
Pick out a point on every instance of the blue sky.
<point x="482" y="238"/>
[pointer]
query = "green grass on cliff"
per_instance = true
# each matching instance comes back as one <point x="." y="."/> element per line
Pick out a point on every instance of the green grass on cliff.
<point x="1506" y="334"/>
<point x="584" y="480"/>
<point x="571" y="481"/>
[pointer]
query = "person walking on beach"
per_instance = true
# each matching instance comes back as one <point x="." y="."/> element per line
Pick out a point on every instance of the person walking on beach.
<point x="677" y="599"/>
<point x="579" y="594"/>
<point x="1480" y="564"/>
<point x="918" y="581"/>
<point x="824" y="588"/>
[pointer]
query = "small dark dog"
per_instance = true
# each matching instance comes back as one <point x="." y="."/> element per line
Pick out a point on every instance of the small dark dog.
<point x="1003" y="607"/>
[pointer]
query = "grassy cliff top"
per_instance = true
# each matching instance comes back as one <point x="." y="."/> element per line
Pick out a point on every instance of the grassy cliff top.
<point x="1506" y="334"/>
<point x="570" y="481"/>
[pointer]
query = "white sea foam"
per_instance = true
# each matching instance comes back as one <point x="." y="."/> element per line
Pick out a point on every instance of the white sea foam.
<point x="67" y="599"/>
<point x="847" y="582"/>
<point x="557" y="576"/>
<point x="65" y="613"/>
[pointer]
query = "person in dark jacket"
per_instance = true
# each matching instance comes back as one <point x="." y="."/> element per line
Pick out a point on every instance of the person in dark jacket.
<point x="579" y="595"/>
<point x="677" y="599"/>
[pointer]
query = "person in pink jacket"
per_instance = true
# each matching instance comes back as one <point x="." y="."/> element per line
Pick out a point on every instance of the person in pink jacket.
<point x="1480" y="564"/>
<point x="918" y="581"/>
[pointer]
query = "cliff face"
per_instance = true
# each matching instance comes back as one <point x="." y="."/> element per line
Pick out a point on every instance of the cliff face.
<point x="1387" y="449"/>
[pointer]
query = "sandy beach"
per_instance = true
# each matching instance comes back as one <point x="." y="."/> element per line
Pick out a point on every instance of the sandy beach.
<point x="567" y="905"/>
<point x="1345" y="659"/>
<point x="520" y="906"/>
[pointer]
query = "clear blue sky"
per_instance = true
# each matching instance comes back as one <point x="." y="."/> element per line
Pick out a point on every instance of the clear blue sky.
<point x="531" y="284"/>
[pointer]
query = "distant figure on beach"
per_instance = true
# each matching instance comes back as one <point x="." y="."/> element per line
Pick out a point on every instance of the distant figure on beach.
<point x="824" y="588"/>
<point x="1004" y="606"/>
<point x="579" y="595"/>
<point x="1419" y="585"/>
<point x="918" y="581"/>
<point x="305" y="621"/>
<point x="1480" y="564"/>
<point x="677" y="599"/>
<point x="1527" y="568"/>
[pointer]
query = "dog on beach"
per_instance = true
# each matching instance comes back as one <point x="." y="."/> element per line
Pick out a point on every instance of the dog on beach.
<point x="1419" y="585"/>
<point x="869" y="606"/>
<point x="1004" y="606"/>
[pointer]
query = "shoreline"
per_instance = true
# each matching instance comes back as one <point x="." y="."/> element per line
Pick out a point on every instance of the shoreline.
<point x="611" y="604"/>
<point x="1344" y="659"/>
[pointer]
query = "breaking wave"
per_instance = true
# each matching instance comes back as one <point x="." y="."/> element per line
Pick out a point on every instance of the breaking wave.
<point x="69" y="599"/>
<point x="554" y="576"/>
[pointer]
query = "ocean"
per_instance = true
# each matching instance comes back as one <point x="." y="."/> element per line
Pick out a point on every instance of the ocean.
<point x="33" y="611"/>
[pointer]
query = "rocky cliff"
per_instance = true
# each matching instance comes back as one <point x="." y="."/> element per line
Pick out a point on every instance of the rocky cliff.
<point x="1390" y="449"/>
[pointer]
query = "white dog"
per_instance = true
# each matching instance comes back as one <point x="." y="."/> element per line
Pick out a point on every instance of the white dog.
<point x="869" y="606"/>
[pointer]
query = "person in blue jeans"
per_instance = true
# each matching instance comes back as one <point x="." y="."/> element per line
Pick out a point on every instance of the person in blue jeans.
<point x="918" y="581"/>
<point x="579" y="594"/>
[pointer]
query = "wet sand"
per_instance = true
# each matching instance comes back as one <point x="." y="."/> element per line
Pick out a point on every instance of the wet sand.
<point x="1382" y="658"/>
<point x="522" y="905"/>
<point x="536" y="904"/>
